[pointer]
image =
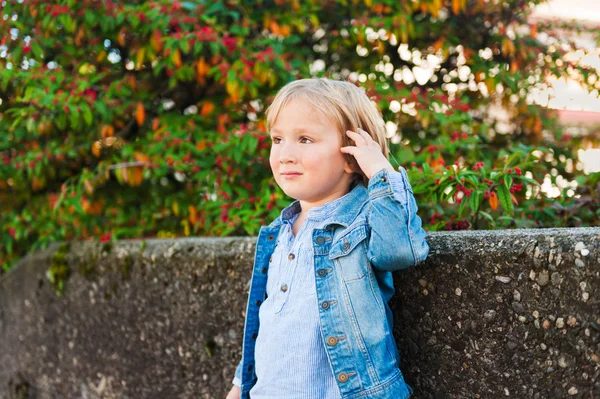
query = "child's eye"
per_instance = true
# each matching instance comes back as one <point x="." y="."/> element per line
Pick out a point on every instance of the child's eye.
<point x="306" y="138"/>
<point x="275" y="140"/>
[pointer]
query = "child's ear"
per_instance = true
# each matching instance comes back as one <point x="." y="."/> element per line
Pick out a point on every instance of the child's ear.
<point x="348" y="168"/>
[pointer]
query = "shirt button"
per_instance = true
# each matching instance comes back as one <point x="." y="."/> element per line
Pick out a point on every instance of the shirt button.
<point x="325" y="305"/>
<point x="322" y="272"/>
<point x="291" y="256"/>
<point x="284" y="288"/>
<point x="332" y="341"/>
<point x="342" y="377"/>
<point x="320" y="240"/>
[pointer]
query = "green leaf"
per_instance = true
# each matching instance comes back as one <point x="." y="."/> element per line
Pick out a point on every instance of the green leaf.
<point x="87" y="114"/>
<point x="488" y="217"/>
<point x="461" y="207"/>
<point x="474" y="200"/>
<point x="505" y="200"/>
<point x="528" y="180"/>
<point x="37" y="49"/>
<point x="512" y="158"/>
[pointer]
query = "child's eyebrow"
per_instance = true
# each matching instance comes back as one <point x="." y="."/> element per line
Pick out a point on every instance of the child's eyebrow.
<point x="296" y="130"/>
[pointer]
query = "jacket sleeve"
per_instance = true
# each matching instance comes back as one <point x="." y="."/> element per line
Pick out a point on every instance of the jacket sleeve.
<point x="237" y="379"/>
<point x="397" y="240"/>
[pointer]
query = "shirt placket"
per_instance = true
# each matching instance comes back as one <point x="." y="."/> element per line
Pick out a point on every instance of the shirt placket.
<point x="288" y="262"/>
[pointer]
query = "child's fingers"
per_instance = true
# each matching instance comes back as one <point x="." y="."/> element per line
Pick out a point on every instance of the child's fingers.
<point x="349" y="150"/>
<point x="364" y="134"/>
<point x="356" y="137"/>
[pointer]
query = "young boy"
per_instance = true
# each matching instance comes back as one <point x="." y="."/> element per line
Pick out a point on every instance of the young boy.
<point x="318" y="323"/>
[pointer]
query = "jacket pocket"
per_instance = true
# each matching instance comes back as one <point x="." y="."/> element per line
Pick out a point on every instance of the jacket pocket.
<point x="349" y="254"/>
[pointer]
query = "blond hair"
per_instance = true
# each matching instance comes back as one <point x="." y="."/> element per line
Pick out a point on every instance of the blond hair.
<point x="344" y="104"/>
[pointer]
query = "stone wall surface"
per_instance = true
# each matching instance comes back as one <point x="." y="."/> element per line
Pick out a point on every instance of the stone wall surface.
<point x="490" y="314"/>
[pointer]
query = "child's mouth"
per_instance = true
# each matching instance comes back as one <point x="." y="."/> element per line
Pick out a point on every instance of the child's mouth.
<point x="291" y="175"/>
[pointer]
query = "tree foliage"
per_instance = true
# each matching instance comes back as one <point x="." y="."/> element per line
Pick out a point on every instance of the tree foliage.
<point x="128" y="119"/>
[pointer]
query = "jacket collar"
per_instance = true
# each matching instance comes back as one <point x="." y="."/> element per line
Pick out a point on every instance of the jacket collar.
<point x="345" y="213"/>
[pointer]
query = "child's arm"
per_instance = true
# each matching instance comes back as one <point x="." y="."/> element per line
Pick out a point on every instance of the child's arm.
<point x="234" y="393"/>
<point x="397" y="239"/>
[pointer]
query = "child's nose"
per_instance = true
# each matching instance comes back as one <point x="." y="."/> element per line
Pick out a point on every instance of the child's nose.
<point x="287" y="154"/>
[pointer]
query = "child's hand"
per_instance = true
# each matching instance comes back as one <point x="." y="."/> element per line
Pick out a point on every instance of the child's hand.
<point x="367" y="153"/>
<point x="235" y="393"/>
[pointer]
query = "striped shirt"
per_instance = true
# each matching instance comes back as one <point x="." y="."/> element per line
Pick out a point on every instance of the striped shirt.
<point x="290" y="359"/>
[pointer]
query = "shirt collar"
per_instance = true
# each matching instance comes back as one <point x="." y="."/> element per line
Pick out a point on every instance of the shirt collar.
<point x="317" y="213"/>
<point x="343" y="214"/>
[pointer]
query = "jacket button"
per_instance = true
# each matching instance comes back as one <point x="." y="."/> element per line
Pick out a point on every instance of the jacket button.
<point x="346" y="247"/>
<point x="254" y="336"/>
<point x="383" y="179"/>
<point x="332" y="341"/>
<point x="284" y="288"/>
<point x="325" y="305"/>
<point x="291" y="256"/>
<point x="264" y="270"/>
<point x="270" y="259"/>
<point x="342" y="377"/>
<point x="270" y="238"/>
<point x="258" y="302"/>
<point x="320" y="240"/>
<point x="322" y="272"/>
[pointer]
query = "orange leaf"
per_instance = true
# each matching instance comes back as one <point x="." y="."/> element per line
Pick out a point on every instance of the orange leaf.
<point x="101" y="56"/>
<point x="156" y="41"/>
<point x="107" y="131"/>
<point x="493" y="201"/>
<point x="122" y="36"/>
<point x="514" y="199"/>
<point x="201" y="71"/>
<point x="141" y="157"/>
<point x="85" y="205"/>
<point x="140" y="114"/>
<point x="193" y="218"/>
<point x="176" y="58"/>
<point x="201" y="145"/>
<point x="274" y="27"/>
<point x="135" y="176"/>
<point x="155" y="124"/>
<point x="207" y="108"/>
<point x="284" y="30"/>
<point x="534" y="30"/>
<point x="79" y="36"/>
<point x="97" y="148"/>
<point x="456" y="6"/>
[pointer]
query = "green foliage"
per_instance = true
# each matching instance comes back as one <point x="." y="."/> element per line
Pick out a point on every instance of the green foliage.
<point x="146" y="119"/>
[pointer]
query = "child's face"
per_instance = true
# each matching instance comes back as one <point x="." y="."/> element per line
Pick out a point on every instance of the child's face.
<point x="323" y="174"/>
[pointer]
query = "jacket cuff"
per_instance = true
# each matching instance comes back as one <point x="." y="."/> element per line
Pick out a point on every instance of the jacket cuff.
<point x="388" y="183"/>
<point x="237" y="382"/>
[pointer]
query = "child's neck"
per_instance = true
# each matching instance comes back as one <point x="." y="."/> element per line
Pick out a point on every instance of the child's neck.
<point x="298" y="222"/>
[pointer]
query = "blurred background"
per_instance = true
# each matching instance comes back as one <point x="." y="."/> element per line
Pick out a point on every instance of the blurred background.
<point x="145" y="119"/>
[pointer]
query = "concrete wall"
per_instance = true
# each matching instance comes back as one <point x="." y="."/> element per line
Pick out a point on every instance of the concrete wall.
<point x="491" y="314"/>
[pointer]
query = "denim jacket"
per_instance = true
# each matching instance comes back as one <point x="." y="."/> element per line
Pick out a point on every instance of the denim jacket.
<point x="371" y="235"/>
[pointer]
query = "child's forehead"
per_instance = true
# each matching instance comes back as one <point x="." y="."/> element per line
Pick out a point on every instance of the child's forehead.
<point x="310" y="118"/>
